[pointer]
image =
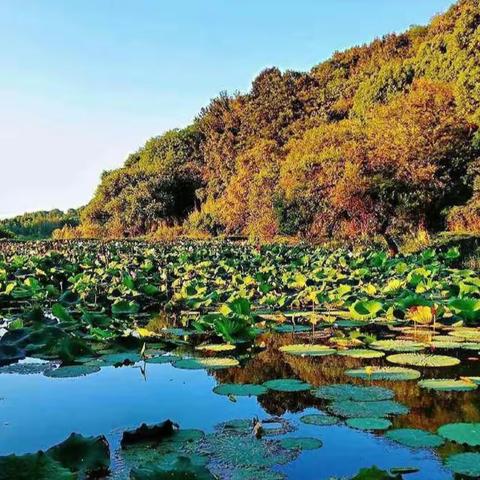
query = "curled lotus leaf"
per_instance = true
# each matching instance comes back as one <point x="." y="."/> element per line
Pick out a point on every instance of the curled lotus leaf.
<point x="307" y="350"/>
<point x="357" y="393"/>
<point x="397" y="345"/>
<point x="369" y="423"/>
<point x="240" y="390"/>
<point x="320" y="420"/>
<point x="467" y="464"/>
<point x="384" y="373"/>
<point x="463" y="433"/>
<point x="381" y="408"/>
<point x="38" y="466"/>
<point x="71" y="371"/>
<point x="423" y="360"/>
<point x="301" y="443"/>
<point x="415" y="438"/>
<point x="287" y="385"/>
<point x="361" y="353"/>
<point x="216" y="347"/>
<point x="208" y="363"/>
<point x="449" y="384"/>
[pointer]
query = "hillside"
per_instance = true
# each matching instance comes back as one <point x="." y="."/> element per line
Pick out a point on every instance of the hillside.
<point x="380" y="139"/>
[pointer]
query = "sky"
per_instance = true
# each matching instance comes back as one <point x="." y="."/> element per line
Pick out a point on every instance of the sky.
<point x="85" y="82"/>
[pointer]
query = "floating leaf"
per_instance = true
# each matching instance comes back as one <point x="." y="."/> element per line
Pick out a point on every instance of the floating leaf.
<point x="216" y="347"/>
<point x="369" y="423"/>
<point x="72" y="371"/>
<point x="319" y="420"/>
<point x="163" y="359"/>
<point x="448" y="385"/>
<point x="287" y="385"/>
<point x="465" y="464"/>
<point x="125" y="358"/>
<point x="423" y="360"/>
<point x="307" y="350"/>
<point x="463" y="433"/>
<point x="397" y="345"/>
<point x="246" y="390"/>
<point x="209" y="363"/>
<point x="38" y="466"/>
<point x="415" y="438"/>
<point x="286" y="328"/>
<point x="353" y="392"/>
<point x="384" y="373"/>
<point x="361" y="353"/>
<point x="381" y="408"/>
<point x="303" y="443"/>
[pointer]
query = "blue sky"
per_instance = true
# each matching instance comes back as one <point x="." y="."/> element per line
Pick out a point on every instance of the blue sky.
<point x="85" y="82"/>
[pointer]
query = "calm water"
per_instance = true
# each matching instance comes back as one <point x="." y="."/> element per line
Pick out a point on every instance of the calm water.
<point x="37" y="412"/>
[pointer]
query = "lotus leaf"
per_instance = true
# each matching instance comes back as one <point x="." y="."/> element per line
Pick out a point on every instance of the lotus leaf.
<point x="373" y="473"/>
<point x="208" y="363"/>
<point x="303" y="443"/>
<point x="381" y="408"/>
<point x="10" y="354"/>
<point x="397" y="345"/>
<point x="467" y="464"/>
<point x="384" y="373"/>
<point x="369" y="423"/>
<point x="448" y="385"/>
<point x="26" y="368"/>
<point x="221" y="347"/>
<point x="123" y="307"/>
<point x="319" y="420"/>
<point x="38" y="466"/>
<point x="240" y="389"/>
<point x="287" y="385"/>
<point x="463" y="433"/>
<point x="163" y="359"/>
<point x="127" y="358"/>
<point x="353" y="392"/>
<point x="306" y="350"/>
<point x="72" y="371"/>
<point x="361" y="353"/>
<point x="414" y="438"/>
<point x="286" y="328"/>
<point x="423" y="360"/>
<point x="465" y="333"/>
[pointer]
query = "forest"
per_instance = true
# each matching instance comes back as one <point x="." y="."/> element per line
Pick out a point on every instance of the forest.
<point x="381" y="139"/>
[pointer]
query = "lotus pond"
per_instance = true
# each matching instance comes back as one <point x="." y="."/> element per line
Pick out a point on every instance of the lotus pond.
<point x="128" y="360"/>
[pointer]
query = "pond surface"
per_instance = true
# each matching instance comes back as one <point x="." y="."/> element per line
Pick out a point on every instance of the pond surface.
<point x="37" y="412"/>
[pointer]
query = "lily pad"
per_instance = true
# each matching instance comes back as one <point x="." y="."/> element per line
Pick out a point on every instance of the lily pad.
<point x="448" y="385"/>
<point x="26" y="368"/>
<point x="163" y="359"/>
<point x="10" y="354"/>
<point x="307" y="350"/>
<point x="126" y="358"/>
<point x="361" y="353"/>
<point x="463" y="433"/>
<point x="381" y="408"/>
<point x="87" y="457"/>
<point x="320" y="420"/>
<point x="72" y="371"/>
<point x="353" y="392"/>
<point x="216" y="347"/>
<point x="384" y="373"/>
<point x="303" y="443"/>
<point x="369" y="423"/>
<point x="397" y="346"/>
<point x="38" y="466"/>
<point x="415" y="438"/>
<point x="286" y="328"/>
<point x="287" y="385"/>
<point x="423" y="360"/>
<point x="208" y="363"/>
<point x="467" y="464"/>
<point x="245" y="390"/>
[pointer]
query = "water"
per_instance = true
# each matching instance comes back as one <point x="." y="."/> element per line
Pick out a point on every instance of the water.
<point x="37" y="412"/>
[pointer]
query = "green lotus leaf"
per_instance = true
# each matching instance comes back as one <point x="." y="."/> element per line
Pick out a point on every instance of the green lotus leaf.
<point x="423" y="360"/>
<point x="122" y="307"/>
<point x="403" y="470"/>
<point x="303" y="443"/>
<point x="463" y="433"/>
<point x="25" y="368"/>
<point x="208" y="363"/>
<point x="349" y="323"/>
<point x="287" y="328"/>
<point x="467" y="464"/>
<point x="125" y="358"/>
<point x="448" y="385"/>
<point x="72" y="371"/>
<point x="397" y="346"/>
<point x="307" y="350"/>
<point x="86" y="456"/>
<point x="366" y="309"/>
<point x="245" y="390"/>
<point x="319" y="420"/>
<point x="414" y="438"/>
<point x="361" y="353"/>
<point x="163" y="359"/>
<point x="353" y="392"/>
<point x="10" y="354"/>
<point x="216" y="347"/>
<point x="466" y="308"/>
<point x="38" y="466"/>
<point x="384" y="373"/>
<point x="287" y="385"/>
<point x="369" y="423"/>
<point x="381" y="408"/>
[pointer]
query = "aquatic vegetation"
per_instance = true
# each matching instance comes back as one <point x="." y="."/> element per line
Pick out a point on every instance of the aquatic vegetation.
<point x="287" y="385"/>
<point x="463" y="433"/>
<point x="449" y="385"/>
<point x="307" y="350"/>
<point x="215" y="347"/>
<point x="38" y="465"/>
<point x="353" y="392"/>
<point x="397" y="345"/>
<point x="467" y="464"/>
<point x="415" y="438"/>
<point x="384" y="373"/>
<point x="71" y="371"/>
<point x="369" y="423"/>
<point x="208" y="363"/>
<point x="320" y="420"/>
<point x="292" y="443"/>
<point x="378" y="408"/>
<point x="360" y="353"/>
<point x="246" y="390"/>
<point x="423" y="360"/>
